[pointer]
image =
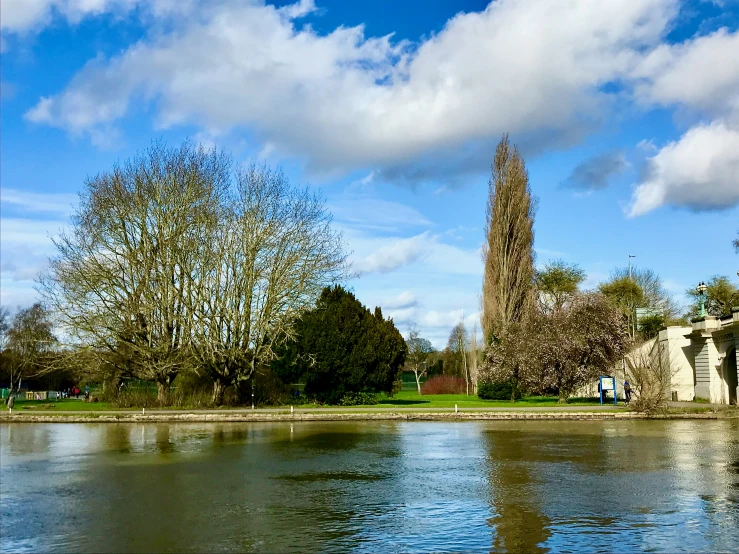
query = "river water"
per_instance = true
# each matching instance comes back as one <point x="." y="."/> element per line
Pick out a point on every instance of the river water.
<point x="528" y="486"/>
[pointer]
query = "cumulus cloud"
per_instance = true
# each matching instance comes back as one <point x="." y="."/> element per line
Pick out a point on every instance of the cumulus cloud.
<point x="700" y="172"/>
<point x="701" y="75"/>
<point x="392" y="256"/>
<point x="595" y="173"/>
<point x="343" y="100"/>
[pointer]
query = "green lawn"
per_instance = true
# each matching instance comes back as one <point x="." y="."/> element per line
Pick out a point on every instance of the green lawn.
<point x="411" y="399"/>
<point x="403" y="399"/>
<point x="66" y="404"/>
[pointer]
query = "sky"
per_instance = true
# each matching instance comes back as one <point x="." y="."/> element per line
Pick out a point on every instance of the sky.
<point x="626" y="112"/>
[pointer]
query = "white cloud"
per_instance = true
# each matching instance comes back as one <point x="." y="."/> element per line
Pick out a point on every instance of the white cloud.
<point x="366" y="211"/>
<point x="701" y="74"/>
<point x="343" y="101"/>
<point x="404" y="300"/>
<point x="21" y="16"/>
<point x="25" y="243"/>
<point x="61" y="204"/>
<point x="389" y="257"/>
<point x="700" y="171"/>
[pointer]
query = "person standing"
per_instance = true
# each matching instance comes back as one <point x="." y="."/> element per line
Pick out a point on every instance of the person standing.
<point x="627" y="391"/>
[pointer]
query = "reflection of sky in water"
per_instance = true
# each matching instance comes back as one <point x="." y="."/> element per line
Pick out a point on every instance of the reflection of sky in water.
<point x="624" y="486"/>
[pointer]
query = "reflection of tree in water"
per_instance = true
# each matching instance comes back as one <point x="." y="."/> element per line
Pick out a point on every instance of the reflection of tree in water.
<point x="519" y="524"/>
<point x="117" y="437"/>
<point x="164" y="446"/>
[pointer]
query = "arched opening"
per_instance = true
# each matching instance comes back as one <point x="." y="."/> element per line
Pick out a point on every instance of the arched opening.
<point x="731" y="375"/>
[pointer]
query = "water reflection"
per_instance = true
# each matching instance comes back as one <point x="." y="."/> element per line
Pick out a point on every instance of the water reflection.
<point x="369" y="487"/>
<point x="519" y="525"/>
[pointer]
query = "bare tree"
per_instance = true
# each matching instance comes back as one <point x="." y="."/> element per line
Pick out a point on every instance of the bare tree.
<point x="474" y="355"/>
<point x="457" y="344"/>
<point x="650" y="370"/>
<point x="30" y="341"/>
<point x="121" y="280"/>
<point x="4" y="326"/>
<point x="508" y="253"/>
<point x="272" y="254"/>
<point x="418" y="353"/>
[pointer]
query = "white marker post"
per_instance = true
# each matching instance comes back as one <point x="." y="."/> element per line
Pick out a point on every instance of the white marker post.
<point x="291" y="409"/>
<point x="456" y="409"/>
<point x="143" y="410"/>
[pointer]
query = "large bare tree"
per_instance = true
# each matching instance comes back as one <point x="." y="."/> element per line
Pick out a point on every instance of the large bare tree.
<point x="272" y="254"/>
<point x="508" y="253"/>
<point x="122" y="278"/>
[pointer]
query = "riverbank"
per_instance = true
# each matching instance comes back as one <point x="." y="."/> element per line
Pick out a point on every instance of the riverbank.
<point x="162" y="416"/>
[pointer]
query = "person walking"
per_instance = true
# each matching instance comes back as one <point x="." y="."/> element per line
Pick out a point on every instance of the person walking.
<point x="627" y="391"/>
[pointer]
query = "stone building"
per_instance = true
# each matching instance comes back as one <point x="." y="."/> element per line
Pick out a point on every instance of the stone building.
<point x="702" y="358"/>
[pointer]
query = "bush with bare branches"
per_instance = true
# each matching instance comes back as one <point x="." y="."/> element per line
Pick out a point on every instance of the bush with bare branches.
<point x="650" y="370"/>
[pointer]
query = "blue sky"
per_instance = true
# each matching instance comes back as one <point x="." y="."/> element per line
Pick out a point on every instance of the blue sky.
<point x="627" y="114"/>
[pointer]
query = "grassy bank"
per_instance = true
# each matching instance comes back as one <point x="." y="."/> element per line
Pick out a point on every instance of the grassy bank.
<point x="403" y="399"/>
<point x="411" y="399"/>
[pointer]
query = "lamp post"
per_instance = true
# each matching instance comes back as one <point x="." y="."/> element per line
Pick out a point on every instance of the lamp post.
<point x="702" y="289"/>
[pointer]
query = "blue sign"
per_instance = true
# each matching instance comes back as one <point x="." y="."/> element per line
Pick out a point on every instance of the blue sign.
<point x="606" y="384"/>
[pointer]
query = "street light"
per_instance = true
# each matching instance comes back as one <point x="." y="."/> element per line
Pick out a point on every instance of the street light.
<point x="702" y="289"/>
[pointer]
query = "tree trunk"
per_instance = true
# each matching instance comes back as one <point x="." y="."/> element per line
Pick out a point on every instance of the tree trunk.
<point x="466" y="373"/>
<point x="418" y="383"/>
<point x="562" y="397"/>
<point x="162" y="392"/>
<point x="218" y="389"/>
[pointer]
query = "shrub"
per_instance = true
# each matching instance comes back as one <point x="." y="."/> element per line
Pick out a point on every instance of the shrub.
<point x="359" y="399"/>
<point x="496" y="391"/>
<point x="444" y="384"/>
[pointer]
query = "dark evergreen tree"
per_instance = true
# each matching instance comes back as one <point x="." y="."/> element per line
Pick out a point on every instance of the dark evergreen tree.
<point x="341" y="347"/>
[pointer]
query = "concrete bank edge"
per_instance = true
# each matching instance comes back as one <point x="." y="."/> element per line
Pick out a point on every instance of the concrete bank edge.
<point x="386" y="416"/>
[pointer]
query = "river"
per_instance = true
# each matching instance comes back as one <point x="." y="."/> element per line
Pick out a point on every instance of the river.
<point x="506" y="486"/>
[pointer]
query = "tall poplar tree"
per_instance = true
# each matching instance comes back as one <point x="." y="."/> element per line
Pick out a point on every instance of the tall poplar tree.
<point x="508" y="253"/>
